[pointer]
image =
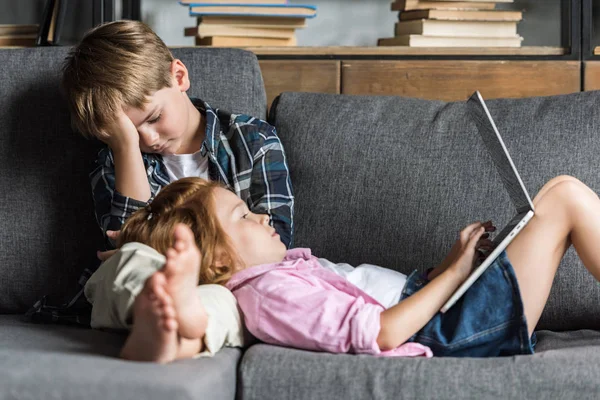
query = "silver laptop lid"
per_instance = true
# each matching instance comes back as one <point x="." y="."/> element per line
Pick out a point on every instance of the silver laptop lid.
<point x="497" y="150"/>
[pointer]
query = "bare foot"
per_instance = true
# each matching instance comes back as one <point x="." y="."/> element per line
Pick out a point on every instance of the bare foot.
<point x="182" y="271"/>
<point x="154" y="333"/>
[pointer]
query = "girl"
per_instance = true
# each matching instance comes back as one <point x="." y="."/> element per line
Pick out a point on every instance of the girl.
<point x="291" y="298"/>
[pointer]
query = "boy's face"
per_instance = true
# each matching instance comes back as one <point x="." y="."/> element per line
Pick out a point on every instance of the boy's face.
<point x="254" y="240"/>
<point x="166" y="124"/>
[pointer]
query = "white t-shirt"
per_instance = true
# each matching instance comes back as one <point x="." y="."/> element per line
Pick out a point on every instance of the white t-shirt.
<point x="184" y="165"/>
<point x="382" y="284"/>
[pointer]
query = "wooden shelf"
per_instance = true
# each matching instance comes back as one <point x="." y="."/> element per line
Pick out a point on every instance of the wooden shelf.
<point x="417" y="51"/>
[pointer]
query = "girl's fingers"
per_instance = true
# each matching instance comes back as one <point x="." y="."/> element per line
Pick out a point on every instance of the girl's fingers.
<point x="475" y="237"/>
<point x="466" y="233"/>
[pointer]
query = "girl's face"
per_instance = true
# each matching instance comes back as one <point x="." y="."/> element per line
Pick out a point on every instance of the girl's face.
<point x="255" y="241"/>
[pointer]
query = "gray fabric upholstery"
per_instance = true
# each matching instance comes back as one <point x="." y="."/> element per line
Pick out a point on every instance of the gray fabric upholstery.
<point x="58" y="362"/>
<point x="566" y="367"/>
<point x="227" y="78"/>
<point x="392" y="180"/>
<point x="48" y="233"/>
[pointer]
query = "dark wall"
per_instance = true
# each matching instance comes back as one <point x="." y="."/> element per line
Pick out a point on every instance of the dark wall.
<point x="78" y="17"/>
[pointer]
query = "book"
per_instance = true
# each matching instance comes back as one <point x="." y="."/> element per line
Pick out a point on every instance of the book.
<point x="465" y="15"/>
<point x="407" y="5"/>
<point x="42" y="37"/>
<point x="237" y="2"/>
<point x="231" y="41"/>
<point x="18" y="29"/>
<point x="203" y="30"/>
<point x="53" y="18"/>
<point x="58" y="17"/>
<point x="258" y="22"/>
<point x="474" y="1"/>
<point x="275" y="10"/>
<point x="449" y="41"/>
<point x="434" y="27"/>
<point x="19" y="40"/>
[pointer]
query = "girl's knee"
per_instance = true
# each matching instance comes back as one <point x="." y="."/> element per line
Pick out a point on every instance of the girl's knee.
<point x="561" y="178"/>
<point x="572" y="192"/>
<point x="551" y="184"/>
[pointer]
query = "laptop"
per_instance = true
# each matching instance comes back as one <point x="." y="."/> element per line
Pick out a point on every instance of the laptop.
<point x="509" y="175"/>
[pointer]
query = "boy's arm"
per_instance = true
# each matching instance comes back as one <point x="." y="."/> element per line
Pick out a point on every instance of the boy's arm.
<point x="130" y="173"/>
<point x="110" y="206"/>
<point x="119" y="182"/>
<point x="271" y="186"/>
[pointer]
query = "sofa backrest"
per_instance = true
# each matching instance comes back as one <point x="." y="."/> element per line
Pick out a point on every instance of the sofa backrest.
<point x="48" y="232"/>
<point x="391" y="180"/>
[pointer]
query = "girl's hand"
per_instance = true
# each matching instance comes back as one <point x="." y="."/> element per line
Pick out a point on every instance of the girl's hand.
<point x="484" y="244"/>
<point x="464" y="250"/>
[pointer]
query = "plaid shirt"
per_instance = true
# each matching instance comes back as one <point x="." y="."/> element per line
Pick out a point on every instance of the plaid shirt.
<point x="244" y="153"/>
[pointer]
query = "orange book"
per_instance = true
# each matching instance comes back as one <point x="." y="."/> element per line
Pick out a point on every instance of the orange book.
<point x="18" y="40"/>
<point x="232" y="41"/>
<point x="439" y="41"/>
<point x="203" y="30"/>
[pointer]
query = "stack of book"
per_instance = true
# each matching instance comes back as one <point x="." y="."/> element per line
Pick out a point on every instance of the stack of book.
<point x="453" y="23"/>
<point x="18" y="35"/>
<point x="239" y="23"/>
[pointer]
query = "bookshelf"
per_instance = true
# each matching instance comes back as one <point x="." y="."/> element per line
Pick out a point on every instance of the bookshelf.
<point x="449" y="74"/>
<point x="402" y="51"/>
<point x="544" y="68"/>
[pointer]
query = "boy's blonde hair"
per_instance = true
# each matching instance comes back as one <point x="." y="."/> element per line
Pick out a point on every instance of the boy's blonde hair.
<point x="189" y="201"/>
<point x="118" y="64"/>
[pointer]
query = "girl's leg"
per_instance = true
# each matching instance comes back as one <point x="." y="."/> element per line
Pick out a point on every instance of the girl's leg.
<point x="566" y="212"/>
<point x="188" y="348"/>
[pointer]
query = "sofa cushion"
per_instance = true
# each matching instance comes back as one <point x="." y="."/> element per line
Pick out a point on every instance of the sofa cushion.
<point x="391" y="180"/>
<point x="567" y="366"/>
<point x="48" y="233"/>
<point x="52" y="361"/>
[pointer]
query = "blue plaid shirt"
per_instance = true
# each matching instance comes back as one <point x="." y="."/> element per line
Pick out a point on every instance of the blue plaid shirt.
<point x="244" y="153"/>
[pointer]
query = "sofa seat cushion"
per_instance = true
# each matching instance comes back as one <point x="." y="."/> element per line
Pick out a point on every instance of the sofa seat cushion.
<point x="62" y="362"/>
<point x="566" y="366"/>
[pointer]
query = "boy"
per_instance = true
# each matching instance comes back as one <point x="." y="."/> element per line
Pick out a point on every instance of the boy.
<point x="125" y="88"/>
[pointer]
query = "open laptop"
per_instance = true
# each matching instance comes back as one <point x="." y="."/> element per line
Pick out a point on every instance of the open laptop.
<point x="486" y="127"/>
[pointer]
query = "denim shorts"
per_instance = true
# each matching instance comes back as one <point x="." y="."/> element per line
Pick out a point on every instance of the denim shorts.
<point x="487" y="321"/>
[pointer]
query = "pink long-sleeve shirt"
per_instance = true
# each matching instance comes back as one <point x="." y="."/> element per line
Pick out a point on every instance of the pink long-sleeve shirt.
<point x="298" y="303"/>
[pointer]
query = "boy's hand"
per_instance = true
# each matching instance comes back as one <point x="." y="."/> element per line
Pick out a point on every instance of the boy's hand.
<point x="105" y="255"/>
<point x="121" y="133"/>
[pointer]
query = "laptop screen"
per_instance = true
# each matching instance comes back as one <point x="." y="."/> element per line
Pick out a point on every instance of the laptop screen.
<point x="498" y="152"/>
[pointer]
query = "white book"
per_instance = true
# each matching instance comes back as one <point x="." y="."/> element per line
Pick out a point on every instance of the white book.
<point x="448" y="41"/>
<point x="428" y="27"/>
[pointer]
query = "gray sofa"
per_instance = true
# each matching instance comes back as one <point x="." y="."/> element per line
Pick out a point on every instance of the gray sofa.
<point x="385" y="180"/>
